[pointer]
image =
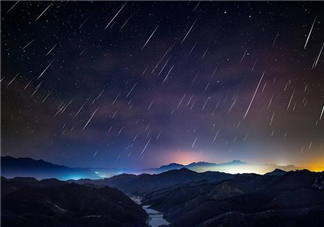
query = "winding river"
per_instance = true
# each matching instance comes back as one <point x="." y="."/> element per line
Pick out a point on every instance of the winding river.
<point x="155" y="217"/>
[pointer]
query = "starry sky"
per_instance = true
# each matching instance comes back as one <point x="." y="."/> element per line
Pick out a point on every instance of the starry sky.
<point x="142" y="84"/>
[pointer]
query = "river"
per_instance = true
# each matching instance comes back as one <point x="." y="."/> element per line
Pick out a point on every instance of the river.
<point x="155" y="217"/>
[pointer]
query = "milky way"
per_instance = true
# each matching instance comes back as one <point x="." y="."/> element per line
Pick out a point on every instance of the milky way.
<point x="141" y="84"/>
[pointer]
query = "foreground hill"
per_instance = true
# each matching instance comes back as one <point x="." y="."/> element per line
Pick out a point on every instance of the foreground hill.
<point x="31" y="203"/>
<point x="292" y="199"/>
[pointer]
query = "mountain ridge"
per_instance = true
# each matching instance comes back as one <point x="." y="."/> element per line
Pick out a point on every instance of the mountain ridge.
<point x="226" y="167"/>
<point x="40" y="169"/>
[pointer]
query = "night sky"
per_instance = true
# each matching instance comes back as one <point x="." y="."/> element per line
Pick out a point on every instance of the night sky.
<point x="142" y="84"/>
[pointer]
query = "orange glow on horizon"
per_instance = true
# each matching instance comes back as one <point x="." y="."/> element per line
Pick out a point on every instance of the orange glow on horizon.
<point x="187" y="157"/>
<point x="316" y="165"/>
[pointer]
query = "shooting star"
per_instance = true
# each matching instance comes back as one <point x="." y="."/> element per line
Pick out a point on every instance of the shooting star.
<point x="46" y="97"/>
<point x="44" y="11"/>
<point x="292" y="95"/>
<point x="90" y="119"/>
<point x="83" y="23"/>
<point x="318" y="57"/>
<point x="189" y="31"/>
<point x="272" y="118"/>
<point x="28" y="44"/>
<point x="310" y="32"/>
<point x="167" y="74"/>
<point x="45" y="69"/>
<point x="115" y="16"/>
<point x="256" y="90"/>
<point x="131" y="90"/>
<point x="243" y="55"/>
<point x="145" y="146"/>
<point x="13" y="6"/>
<point x="12" y="80"/>
<point x="150" y="37"/>
<point x="194" y="142"/>
<point x="51" y="50"/>
<point x="215" y="137"/>
<point x="322" y="113"/>
<point x="274" y="41"/>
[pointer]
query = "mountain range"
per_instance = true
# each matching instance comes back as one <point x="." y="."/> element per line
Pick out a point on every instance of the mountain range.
<point x="184" y="197"/>
<point x="140" y="185"/>
<point x="191" y="199"/>
<point x="40" y="169"/>
<point x="235" y="166"/>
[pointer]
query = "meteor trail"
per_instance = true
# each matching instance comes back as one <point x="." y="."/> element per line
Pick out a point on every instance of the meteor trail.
<point x="292" y="95"/>
<point x="215" y="137"/>
<point x="13" y="6"/>
<point x="189" y="31"/>
<point x="310" y="32"/>
<point x="318" y="57"/>
<point x="145" y="146"/>
<point x="13" y="79"/>
<point x="83" y="23"/>
<point x="45" y="69"/>
<point x="90" y="119"/>
<point x="167" y="74"/>
<point x="51" y="50"/>
<point x="243" y="55"/>
<point x="194" y="142"/>
<point x="28" y="44"/>
<point x="131" y="90"/>
<point x="44" y="11"/>
<point x="150" y="37"/>
<point x="115" y="16"/>
<point x="256" y="90"/>
<point x="80" y="108"/>
<point x="274" y="41"/>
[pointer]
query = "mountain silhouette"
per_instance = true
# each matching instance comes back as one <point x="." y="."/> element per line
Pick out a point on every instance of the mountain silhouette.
<point x="40" y="169"/>
<point x="235" y="166"/>
<point x="50" y="202"/>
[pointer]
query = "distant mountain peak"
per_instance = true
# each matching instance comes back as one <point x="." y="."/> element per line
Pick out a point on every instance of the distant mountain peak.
<point x="276" y="172"/>
<point x="236" y="162"/>
<point x="202" y="163"/>
<point x="171" y="164"/>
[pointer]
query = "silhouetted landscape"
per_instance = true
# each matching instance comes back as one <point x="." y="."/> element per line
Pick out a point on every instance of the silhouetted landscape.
<point x="28" y="202"/>
<point x="182" y="197"/>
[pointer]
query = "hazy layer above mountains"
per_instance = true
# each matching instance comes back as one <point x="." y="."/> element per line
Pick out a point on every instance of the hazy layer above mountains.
<point x="236" y="166"/>
<point x="28" y="167"/>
